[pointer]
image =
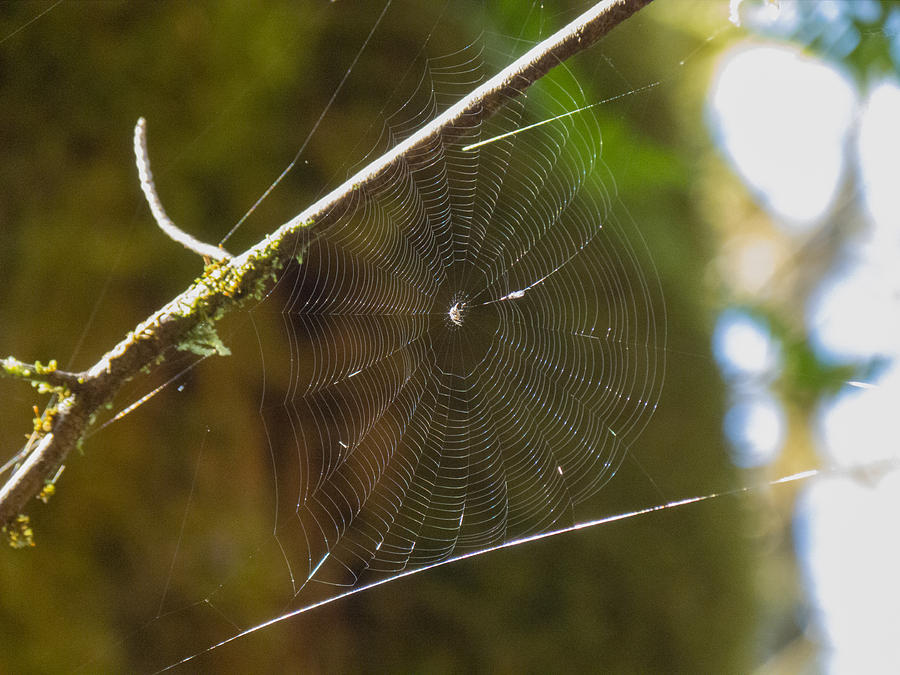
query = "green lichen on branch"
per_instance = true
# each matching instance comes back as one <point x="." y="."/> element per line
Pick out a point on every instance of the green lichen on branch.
<point x="228" y="283"/>
<point x="234" y="282"/>
<point x="203" y="340"/>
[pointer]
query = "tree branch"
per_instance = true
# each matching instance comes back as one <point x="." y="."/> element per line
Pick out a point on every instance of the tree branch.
<point x="187" y="322"/>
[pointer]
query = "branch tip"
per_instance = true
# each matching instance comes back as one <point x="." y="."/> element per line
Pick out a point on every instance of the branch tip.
<point x="148" y="187"/>
<point x="39" y="374"/>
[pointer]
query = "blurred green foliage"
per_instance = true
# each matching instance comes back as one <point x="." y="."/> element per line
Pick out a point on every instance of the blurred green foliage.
<point x="230" y="90"/>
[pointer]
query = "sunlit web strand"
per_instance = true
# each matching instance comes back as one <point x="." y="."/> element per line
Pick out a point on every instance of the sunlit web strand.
<point x="127" y="410"/>
<point x="796" y="477"/>
<point x="494" y="139"/>
<point x="30" y="21"/>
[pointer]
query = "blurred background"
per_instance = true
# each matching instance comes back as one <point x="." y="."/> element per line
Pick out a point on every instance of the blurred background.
<point x="761" y="172"/>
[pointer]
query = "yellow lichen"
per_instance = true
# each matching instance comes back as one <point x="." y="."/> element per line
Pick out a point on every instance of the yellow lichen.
<point x="46" y="492"/>
<point x="19" y="533"/>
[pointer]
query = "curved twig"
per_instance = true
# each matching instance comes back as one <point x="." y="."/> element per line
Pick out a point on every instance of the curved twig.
<point x="148" y="187"/>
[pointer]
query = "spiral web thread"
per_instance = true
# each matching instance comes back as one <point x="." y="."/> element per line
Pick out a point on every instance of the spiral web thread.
<point x="473" y="348"/>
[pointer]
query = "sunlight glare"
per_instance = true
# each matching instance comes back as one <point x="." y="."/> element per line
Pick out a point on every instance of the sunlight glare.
<point x="855" y="314"/>
<point x="782" y="118"/>
<point x="879" y="159"/>
<point x="848" y="548"/>
<point x="755" y="428"/>
<point x="860" y="425"/>
<point x="743" y="345"/>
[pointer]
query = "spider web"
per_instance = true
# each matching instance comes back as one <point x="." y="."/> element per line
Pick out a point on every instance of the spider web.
<point x="473" y="347"/>
<point x="468" y="354"/>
